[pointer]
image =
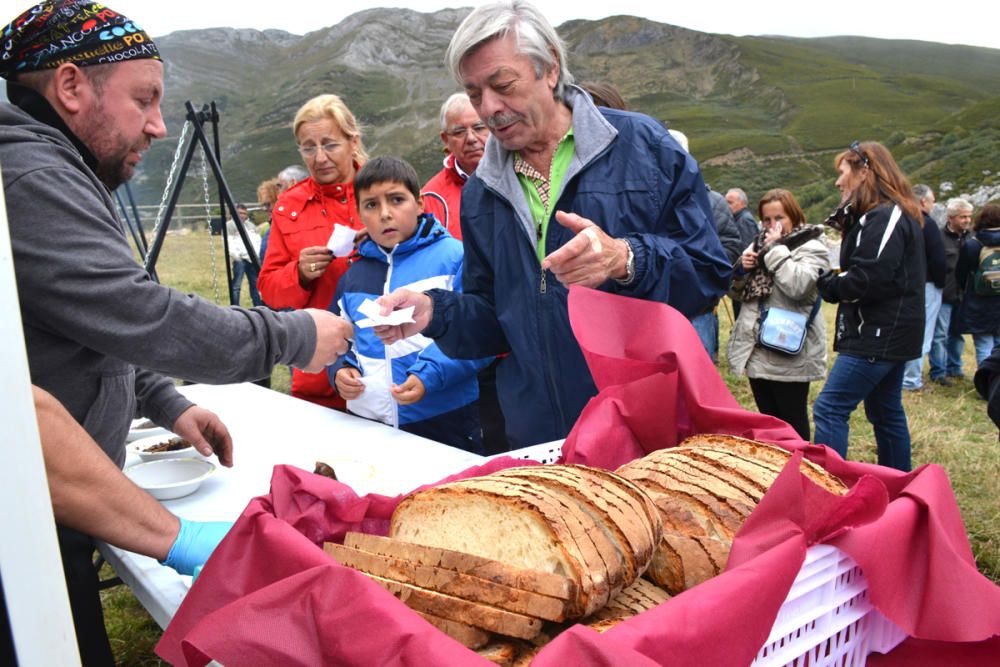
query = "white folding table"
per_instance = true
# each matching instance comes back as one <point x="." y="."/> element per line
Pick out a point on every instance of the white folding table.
<point x="268" y="429"/>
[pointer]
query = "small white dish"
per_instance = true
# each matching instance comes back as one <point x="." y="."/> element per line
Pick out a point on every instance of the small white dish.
<point x="140" y="446"/>
<point x="172" y="478"/>
<point x="143" y="428"/>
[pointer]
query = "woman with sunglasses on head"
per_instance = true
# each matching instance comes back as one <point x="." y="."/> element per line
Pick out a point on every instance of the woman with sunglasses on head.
<point x="776" y="273"/>
<point x="300" y="271"/>
<point x="880" y="295"/>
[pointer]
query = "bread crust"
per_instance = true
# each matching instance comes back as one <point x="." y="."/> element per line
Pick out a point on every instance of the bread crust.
<point x="450" y="582"/>
<point x="463" y="611"/>
<point x="595" y="549"/>
<point x="543" y="583"/>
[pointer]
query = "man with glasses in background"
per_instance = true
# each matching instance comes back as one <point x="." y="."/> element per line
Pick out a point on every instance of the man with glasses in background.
<point x="464" y="136"/>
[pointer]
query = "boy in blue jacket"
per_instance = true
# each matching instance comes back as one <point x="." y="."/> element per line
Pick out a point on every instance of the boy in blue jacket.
<point x="411" y="385"/>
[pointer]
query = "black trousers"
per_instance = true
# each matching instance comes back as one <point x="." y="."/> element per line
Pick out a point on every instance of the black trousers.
<point x="77" y="552"/>
<point x="490" y="414"/>
<point x="7" y="655"/>
<point x="787" y="401"/>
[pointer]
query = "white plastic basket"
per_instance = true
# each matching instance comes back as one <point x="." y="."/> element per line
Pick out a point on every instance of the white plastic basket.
<point x="827" y="619"/>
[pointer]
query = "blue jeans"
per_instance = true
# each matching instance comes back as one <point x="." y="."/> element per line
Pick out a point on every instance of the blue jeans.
<point x="240" y="268"/>
<point x="984" y="346"/>
<point x="946" y="350"/>
<point x="707" y="327"/>
<point x="913" y="374"/>
<point x="878" y="384"/>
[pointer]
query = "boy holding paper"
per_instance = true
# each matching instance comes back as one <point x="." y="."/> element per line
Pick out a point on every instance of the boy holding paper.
<point x="410" y="385"/>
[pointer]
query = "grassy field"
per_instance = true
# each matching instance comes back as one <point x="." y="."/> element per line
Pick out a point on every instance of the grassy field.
<point x="948" y="425"/>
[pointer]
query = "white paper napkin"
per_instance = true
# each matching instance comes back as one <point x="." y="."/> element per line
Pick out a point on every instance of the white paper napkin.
<point x="341" y="242"/>
<point x="374" y="317"/>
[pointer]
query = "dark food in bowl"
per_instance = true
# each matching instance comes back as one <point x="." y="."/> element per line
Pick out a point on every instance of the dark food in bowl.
<point x="325" y="470"/>
<point x="171" y="445"/>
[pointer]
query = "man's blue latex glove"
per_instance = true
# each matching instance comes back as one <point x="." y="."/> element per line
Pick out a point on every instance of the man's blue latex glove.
<point x="196" y="540"/>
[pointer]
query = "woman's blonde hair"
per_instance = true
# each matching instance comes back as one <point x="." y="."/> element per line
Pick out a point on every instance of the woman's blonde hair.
<point x="331" y="106"/>
<point x="267" y="191"/>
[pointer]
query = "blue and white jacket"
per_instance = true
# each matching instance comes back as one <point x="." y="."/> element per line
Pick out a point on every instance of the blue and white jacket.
<point x="430" y="259"/>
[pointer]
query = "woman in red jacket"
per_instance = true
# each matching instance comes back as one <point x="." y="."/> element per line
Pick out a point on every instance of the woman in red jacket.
<point x="299" y="270"/>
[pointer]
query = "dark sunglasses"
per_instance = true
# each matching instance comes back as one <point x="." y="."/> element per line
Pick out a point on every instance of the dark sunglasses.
<point x="856" y="149"/>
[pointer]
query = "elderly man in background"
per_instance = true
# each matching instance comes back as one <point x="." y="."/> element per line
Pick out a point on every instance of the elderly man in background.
<point x="946" y="349"/>
<point x="566" y="194"/>
<point x="291" y="175"/>
<point x="746" y="225"/>
<point x="464" y="136"/>
<point x="934" y="251"/>
<point x="745" y="222"/>
<point x="96" y="327"/>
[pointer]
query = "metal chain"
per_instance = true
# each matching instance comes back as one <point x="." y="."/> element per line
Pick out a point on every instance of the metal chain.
<point x="208" y="218"/>
<point x="171" y="175"/>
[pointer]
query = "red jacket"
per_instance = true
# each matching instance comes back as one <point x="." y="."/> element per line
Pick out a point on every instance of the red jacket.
<point x="304" y="216"/>
<point x="446" y="185"/>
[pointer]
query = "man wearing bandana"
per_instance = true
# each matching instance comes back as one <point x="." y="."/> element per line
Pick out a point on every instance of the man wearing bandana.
<point x="85" y="84"/>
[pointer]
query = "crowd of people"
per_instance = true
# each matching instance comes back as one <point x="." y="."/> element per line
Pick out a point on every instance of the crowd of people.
<point x="544" y="185"/>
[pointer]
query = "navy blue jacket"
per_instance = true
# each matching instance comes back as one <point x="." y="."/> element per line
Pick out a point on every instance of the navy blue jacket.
<point x="934" y="248"/>
<point x="980" y="314"/>
<point x="629" y="176"/>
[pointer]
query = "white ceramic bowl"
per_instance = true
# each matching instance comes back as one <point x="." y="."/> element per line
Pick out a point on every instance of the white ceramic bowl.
<point x="136" y="432"/>
<point x="172" y="478"/>
<point x="140" y="446"/>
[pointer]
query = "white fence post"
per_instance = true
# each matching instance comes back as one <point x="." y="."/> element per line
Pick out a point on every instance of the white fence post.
<point x="33" y="579"/>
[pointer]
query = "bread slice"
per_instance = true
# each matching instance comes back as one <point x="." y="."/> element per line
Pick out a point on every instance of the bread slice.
<point x="715" y="516"/>
<point x="507" y="528"/>
<point x="704" y="475"/>
<point x="543" y="583"/>
<point x="605" y="516"/>
<point x="466" y="635"/>
<point x="451" y="583"/>
<point x="463" y="611"/>
<point x="759" y="473"/>
<point x="495" y="519"/>
<point x="618" y="501"/>
<point x="500" y="652"/>
<point x="684" y="477"/>
<point x="633" y="497"/>
<point x="751" y="490"/>
<point x="682" y="562"/>
<point x="639" y="597"/>
<point x="763" y="451"/>
<point x="592" y="544"/>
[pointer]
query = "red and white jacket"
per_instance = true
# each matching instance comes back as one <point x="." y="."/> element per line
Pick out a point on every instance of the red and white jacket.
<point x="443" y="195"/>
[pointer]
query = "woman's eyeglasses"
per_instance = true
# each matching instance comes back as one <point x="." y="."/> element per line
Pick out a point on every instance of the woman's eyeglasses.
<point x="309" y="152"/>
<point x="856" y="149"/>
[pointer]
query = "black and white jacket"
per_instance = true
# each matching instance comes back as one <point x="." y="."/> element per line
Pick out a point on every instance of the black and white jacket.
<point x="880" y="290"/>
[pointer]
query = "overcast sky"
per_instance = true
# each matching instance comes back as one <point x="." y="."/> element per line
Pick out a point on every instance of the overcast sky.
<point x="953" y="22"/>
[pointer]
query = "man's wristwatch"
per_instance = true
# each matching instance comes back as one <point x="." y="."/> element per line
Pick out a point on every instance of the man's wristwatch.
<point x="629" y="265"/>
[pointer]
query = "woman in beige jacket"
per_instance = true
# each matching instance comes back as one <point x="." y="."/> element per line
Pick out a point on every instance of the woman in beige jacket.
<point x="779" y="270"/>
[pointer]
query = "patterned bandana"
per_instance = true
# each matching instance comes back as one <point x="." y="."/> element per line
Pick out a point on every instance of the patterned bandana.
<point x="70" y="31"/>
